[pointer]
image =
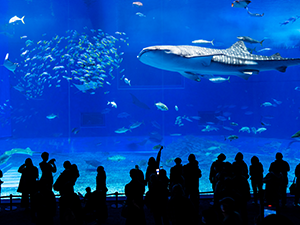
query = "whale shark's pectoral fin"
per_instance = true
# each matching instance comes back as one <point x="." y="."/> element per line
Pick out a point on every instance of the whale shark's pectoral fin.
<point x="281" y="69"/>
<point x="247" y="73"/>
<point x="204" y="60"/>
<point x="191" y="76"/>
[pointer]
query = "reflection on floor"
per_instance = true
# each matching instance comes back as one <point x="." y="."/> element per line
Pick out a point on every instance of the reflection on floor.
<point x="120" y="154"/>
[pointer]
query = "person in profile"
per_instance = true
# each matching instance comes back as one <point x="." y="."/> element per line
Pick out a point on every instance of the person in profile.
<point x="282" y="167"/>
<point x="256" y="176"/>
<point x="176" y="173"/>
<point x="47" y="168"/>
<point x="191" y="175"/>
<point x="28" y="182"/>
<point x="134" y="192"/>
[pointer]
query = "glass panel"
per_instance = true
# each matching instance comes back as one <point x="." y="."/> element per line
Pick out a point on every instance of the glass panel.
<point x="73" y="86"/>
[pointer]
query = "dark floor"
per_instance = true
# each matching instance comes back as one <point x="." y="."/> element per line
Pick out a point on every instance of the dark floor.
<point x="20" y="216"/>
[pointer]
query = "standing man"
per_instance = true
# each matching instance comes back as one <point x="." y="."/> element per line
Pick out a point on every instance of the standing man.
<point x="191" y="174"/>
<point x="283" y="167"/>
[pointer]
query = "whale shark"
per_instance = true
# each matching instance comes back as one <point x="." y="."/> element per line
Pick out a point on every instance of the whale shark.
<point x="195" y="62"/>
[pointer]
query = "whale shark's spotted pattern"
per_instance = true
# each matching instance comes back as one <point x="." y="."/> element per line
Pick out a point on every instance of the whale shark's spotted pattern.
<point x="193" y="61"/>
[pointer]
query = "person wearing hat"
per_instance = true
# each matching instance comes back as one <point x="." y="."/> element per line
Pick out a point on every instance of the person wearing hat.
<point x="176" y="173"/>
<point x="216" y="167"/>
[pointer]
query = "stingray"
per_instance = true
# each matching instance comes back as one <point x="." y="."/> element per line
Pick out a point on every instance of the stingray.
<point x="93" y="162"/>
<point x="155" y="137"/>
<point x="9" y="64"/>
<point x="138" y="102"/>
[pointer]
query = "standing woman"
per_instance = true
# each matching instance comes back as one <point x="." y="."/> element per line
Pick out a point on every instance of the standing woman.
<point x="256" y="177"/>
<point x="101" y="189"/>
<point x="28" y="181"/>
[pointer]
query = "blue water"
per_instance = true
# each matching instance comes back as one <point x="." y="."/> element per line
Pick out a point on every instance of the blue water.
<point x="84" y="124"/>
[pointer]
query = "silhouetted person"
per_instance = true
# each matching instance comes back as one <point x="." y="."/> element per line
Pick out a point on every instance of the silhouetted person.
<point x="231" y="217"/>
<point x="223" y="183"/>
<point x="283" y="167"/>
<point x="100" y="193"/>
<point x="89" y="202"/>
<point x="28" y="181"/>
<point x="153" y="165"/>
<point x="256" y="177"/>
<point x="180" y="209"/>
<point x="140" y="174"/>
<point x="157" y="198"/>
<point x="240" y="166"/>
<point x="1" y="182"/>
<point x="134" y="192"/>
<point x="297" y="194"/>
<point x="216" y="167"/>
<point x="241" y="193"/>
<point x="273" y="188"/>
<point x="176" y="173"/>
<point x="47" y="168"/>
<point x="65" y="181"/>
<point x="191" y="174"/>
<point x="45" y="207"/>
<point x="69" y="202"/>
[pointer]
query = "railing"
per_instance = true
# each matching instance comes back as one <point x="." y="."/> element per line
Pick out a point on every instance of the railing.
<point x="116" y="204"/>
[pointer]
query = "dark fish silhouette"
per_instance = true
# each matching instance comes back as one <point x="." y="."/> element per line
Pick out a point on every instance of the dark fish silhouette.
<point x="93" y="162"/>
<point x="138" y="102"/>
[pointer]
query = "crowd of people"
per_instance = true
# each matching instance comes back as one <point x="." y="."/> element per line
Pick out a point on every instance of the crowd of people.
<point x="172" y="200"/>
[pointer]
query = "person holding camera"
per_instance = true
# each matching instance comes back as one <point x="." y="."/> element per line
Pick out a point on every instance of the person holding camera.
<point x="47" y="168"/>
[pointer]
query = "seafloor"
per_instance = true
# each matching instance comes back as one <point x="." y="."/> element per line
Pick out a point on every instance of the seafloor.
<point x="119" y="155"/>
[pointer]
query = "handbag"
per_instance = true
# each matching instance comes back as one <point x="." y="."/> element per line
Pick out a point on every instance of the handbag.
<point x="293" y="188"/>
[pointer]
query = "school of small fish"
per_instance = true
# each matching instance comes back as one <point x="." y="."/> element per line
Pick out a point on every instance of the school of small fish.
<point x="88" y="60"/>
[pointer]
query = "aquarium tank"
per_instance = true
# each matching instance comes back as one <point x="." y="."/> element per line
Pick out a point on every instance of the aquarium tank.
<point x="106" y="82"/>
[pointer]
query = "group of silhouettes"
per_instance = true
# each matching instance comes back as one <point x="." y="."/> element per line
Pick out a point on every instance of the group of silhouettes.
<point x="172" y="200"/>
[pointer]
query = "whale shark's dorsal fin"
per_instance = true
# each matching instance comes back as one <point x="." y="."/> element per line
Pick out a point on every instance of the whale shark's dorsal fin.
<point x="276" y="55"/>
<point x="239" y="46"/>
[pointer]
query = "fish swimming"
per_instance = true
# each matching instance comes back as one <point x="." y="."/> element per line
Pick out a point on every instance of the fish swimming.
<point x="161" y="106"/>
<point x="218" y="79"/>
<point x="254" y="14"/>
<point x="249" y="40"/>
<point x="201" y="41"/>
<point x="194" y="62"/>
<point x="9" y="64"/>
<point x="15" y="18"/>
<point x="139" y="103"/>
<point x="51" y="116"/>
<point x="240" y="3"/>
<point x="8" y="154"/>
